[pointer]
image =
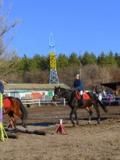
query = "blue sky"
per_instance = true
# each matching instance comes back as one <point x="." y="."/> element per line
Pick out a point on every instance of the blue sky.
<point x="77" y="26"/>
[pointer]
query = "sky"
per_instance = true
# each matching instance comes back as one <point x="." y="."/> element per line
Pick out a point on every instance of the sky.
<point x="76" y="25"/>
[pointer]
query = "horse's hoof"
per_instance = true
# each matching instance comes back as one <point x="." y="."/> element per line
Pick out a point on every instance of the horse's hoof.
<point x="89" y="122"/>
<point x="24" y="125"/>
<point x="74" y="125"/>
<point x="106" y="110"/>
<point x="98" y="122"/>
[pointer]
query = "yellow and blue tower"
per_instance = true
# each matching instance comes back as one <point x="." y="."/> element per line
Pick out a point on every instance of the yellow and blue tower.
<point x="53" y="69"/>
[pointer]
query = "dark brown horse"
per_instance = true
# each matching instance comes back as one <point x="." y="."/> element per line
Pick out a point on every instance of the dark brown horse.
<point x="15" y="109"/>
<point x="75" y="102"/>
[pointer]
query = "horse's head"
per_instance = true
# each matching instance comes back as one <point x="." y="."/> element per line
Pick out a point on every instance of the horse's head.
<point x="58" y="92"/>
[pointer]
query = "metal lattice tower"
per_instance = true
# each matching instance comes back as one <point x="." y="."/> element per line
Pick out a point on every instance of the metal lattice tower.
<point x="53" y="70"/>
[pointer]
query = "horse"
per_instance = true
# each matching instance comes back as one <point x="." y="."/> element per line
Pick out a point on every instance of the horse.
<point x="14" y="108"/>
<point x="75" y="102"/>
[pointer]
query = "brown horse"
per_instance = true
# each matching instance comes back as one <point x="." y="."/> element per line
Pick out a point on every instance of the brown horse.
<point x="15" y="109"/>
<point x="74" y="102"/>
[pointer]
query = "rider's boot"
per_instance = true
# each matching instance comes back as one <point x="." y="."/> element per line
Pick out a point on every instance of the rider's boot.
<point x="81" y="95"/>
<point x="81" y="99"/>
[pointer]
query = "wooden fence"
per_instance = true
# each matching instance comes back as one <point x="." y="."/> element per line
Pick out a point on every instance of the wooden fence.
<point x="63" y="102"/>
<point x="39" y="102"/>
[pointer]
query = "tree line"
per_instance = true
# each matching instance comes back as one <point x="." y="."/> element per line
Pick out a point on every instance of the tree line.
<point x="93" y="69"/>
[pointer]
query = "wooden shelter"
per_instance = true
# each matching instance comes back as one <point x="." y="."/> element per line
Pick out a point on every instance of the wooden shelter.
<point x="115" y="86"/>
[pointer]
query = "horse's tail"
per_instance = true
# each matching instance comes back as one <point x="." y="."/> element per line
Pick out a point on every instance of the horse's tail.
<point x="24" y="113"/>
<point x="102" y="105"/>
<point x="96" y="99"/>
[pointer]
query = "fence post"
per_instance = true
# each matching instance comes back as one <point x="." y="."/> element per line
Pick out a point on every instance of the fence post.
<point x="39" y="103"/>
<point x="64" y="101"/>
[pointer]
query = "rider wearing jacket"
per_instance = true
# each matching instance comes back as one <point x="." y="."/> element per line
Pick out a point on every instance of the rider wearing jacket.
<point x="78" y="85"/>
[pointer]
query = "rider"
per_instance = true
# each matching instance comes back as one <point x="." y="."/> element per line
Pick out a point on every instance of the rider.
<point x="78" y="85"/>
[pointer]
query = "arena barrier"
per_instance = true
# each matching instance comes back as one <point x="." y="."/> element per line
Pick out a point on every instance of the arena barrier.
<point x="40" y="102"/>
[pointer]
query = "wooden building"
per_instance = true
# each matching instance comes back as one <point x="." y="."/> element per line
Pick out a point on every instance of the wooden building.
<point x="115" y="86"/>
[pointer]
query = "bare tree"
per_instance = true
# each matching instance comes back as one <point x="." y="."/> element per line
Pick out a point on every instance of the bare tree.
<point x="5" y="28"/>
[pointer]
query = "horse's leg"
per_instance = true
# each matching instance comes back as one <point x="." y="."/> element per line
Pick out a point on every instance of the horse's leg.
<point x="76" y="117"/>
<point x="90" y="114"/>
<point x="71" y="117"/>
<point x="12" y="122"/>
<point x="98" y="113"/>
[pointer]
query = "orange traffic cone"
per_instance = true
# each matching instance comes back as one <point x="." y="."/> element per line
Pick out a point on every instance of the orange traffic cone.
<point x="60" y="128"/>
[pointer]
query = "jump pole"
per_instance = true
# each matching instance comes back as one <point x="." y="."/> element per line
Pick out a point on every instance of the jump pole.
<point x="3" y="134"/>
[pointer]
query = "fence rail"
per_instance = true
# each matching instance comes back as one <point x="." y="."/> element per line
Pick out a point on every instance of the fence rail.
<point x="62" y="101"/>
<point x="39" y="102"/>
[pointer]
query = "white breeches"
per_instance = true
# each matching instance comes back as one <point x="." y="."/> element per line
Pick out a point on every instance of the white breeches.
<point x="81" y="92"/>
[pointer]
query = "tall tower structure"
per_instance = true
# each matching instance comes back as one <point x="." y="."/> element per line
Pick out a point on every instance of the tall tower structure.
<point x="53" y="69"/>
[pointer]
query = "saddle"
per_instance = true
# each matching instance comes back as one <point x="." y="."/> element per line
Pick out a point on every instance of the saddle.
<point x="85" y="96"/>
<point x="7" y="103"/>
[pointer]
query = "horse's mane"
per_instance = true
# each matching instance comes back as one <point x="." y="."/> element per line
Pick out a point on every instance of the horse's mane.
<point x="66" y="89"/>
<point x="66" y="93"/>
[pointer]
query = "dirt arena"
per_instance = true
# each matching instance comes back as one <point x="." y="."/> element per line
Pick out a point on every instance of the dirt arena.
<point x="84" y="142"/>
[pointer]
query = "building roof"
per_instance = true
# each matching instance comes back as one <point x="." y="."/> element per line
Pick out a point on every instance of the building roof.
<point x="33" y="86"/>
<point x="112" y="85"/>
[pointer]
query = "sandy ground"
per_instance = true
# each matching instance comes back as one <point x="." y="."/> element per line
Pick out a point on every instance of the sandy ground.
<point x="84" y="142"/>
